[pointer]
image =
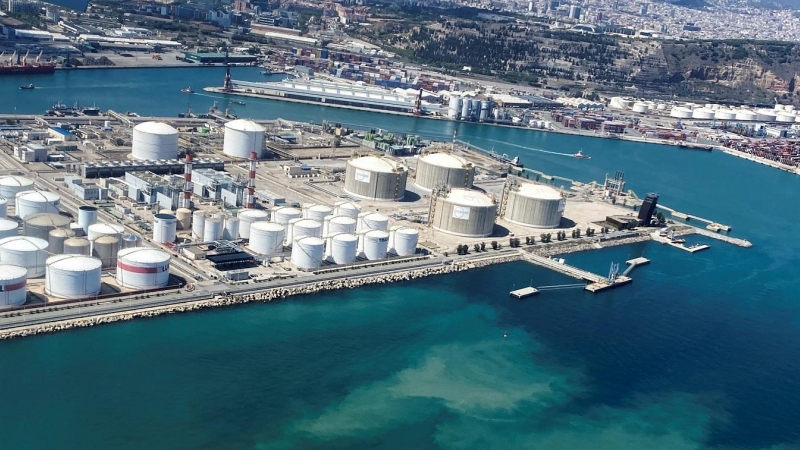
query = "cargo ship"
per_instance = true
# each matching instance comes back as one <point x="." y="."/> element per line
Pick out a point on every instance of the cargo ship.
<point x="15" y="65"/>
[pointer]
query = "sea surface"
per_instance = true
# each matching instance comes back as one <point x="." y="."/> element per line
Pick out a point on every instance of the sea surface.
<point x="701" y="351"/>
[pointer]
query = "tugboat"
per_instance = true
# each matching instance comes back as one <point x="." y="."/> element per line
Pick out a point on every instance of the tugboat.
<point x="25" y="88"/>
<point x="580" y="155"/>
<point x="187" y="90"/>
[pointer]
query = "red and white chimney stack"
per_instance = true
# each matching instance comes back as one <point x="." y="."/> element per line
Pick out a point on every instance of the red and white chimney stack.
<point x="251" y="182"/>
<point x="187" y="182"/>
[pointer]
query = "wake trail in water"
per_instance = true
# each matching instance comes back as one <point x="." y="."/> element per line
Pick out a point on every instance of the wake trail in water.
<point x="533" y="149"/>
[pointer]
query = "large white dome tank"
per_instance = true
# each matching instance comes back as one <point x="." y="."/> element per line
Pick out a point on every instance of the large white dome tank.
<point x="375" y="178"/>
<point x="104" y="229"/>
<point x="11" y="185"/>
<point x="154" y="141"/>
<point x="342" y="248"/>
<point x="317" y="212"/>
<point x="27" y="252"/>
<point x="8" y="228"/>
<point x="465" y="212"/>
<point x="375" y="244"/>
<point x="307" y="253"/>
<point x="72" y="276"/>
<point x="372" y="221"/>
<point x="534" y="205"/>
<point x="247" y="218"/>
<point x="13" y="285"/>
<point x="35" y="202"/>
<point x="348" y="209"/>
<point x="446" y="168"/>
<point x="242" y="137"/>
<point x="284" y="214"/>
<point x="164" y="228"/>
<point x="403" y="241"/>
<point x="266" y="238"/>
<point x="142" y="268"/>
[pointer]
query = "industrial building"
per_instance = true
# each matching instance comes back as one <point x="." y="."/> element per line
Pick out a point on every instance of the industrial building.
<point x="463" y="212"/>
<point x="533" y="205"/>
<point x="216" y="58"/>
<point x="107" y="169"/>
<point x="443" y="169"/>
<point x="375" y="178"/>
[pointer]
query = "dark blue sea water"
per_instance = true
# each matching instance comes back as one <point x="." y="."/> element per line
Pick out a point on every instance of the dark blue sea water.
<point x="699" y="352"/>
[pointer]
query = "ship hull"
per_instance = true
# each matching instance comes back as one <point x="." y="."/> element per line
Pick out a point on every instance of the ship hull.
<point x="26" y="70"/>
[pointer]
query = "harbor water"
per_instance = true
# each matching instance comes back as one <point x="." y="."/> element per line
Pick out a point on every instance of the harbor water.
<point x="699" y="352"/>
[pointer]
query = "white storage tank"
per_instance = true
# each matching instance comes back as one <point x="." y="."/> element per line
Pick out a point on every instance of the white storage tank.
<point x="465" y="212"/>
<point x="27" y="252"/>
<point x="372" y="221"/>
<point x="72" y="276"/>
<point x="104" y="229"/>
<point x="213" y="228"/>
<point x="142" y="268"/>
<point x="307" y="253"/>
<point x="266" y="238"/>
<point x="165" y="227"/>
<point x="198" y="224"/>
<point x="130" y="241"/>
<point x="13" y="285"/>
<point x="534" y="205"/>
<point x="184" y="216"/>
<point x="375" y="178"/>
<point x="56" y="239"/>
<point x="87" y="215"/>
<point x="339" y="224"/>
<point x="3" y="207"/>
<point x="765" y="115"/>
<point x="154" y="141"/>
<point x="8" y="228"/>
<point x="746" y="115"/>
<point x="454" y="107"/>
<point x="342" y="248"/>
<point x="375" y="244"/>
<point x="680" y="112"/>
<point x="35" y="202"/>
<point x="106" y="248"/>
<point x="303" y="228"/>
<point x="703" y="114"/>
<point x="247" y="218"/>
<point x="284" y="214"/>
<point x="317" y="212"/>
<point x="641" y="108"/>
<point x="403" y="241"/>
<point x="348" y="209"/>
<point x="242" y="137"/>
<point x="725" y="114"/>
<point x="785" y="118"/>
<point x="77" y="246"/>
<point x="12" y="185"/>
<point x="40" y="225"/>
<point x="446" y="168"/>
<point x="231" y="231"/>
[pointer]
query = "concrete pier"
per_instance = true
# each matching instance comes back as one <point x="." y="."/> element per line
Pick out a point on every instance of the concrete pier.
<point x="524" y="292"/>
<point x="597" y="282"/>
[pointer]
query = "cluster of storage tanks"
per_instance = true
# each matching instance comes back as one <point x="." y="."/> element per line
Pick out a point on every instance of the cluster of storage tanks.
<point x="780" y="113"/>
<point x="471" y="109"/>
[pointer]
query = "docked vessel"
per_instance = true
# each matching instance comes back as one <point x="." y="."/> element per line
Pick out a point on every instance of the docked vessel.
<point x="505" y="159"/>
<point x="580" y="155"/>
<point x="686" y="145"/>
<point x="15" y="65"/>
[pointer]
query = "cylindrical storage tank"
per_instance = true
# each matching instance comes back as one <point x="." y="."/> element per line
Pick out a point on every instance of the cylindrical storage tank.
<point x="703" y="114"/>
<point x="87" y="215"/>
<point x="34" y="202"/>
<point x="198" y="224"/>
<point x="104" y="229"/>
<point x="372" y="221"/>
<point x="486" y="108"/>
<point x="784" y="117"/>
<point x="680" y="112"/>
<point x="247" y="218"/>
<point x="451" y="170"/>
<point x="534" y="205"/>
<point x="24" y="251"/>
<point x="106" y="249"/>
<point x="765" y="115"/>
<point x="142" y="268"/>
<point x="453" y="107"/>
<point x="342" y="248"/>
<point x="231" y="231"/>
<point x="376" y="244"/>
<point x="13" y="285"/>
<point x="56" y="239"/>
<point x="725" y="114"/>
<point x="130" y="241"/>
<point x="72" y="276"/>
<point x="165" y="227"/>
<point x="307" y="253"/>
<point x="266" y="238"/>
<point x="284" y="214"/>
<point x="746" y="115"/>
<point x="403" y="241"/>
<point x="213" y="228"/>
<point x="375" y="178"/>
<point x="184" y="216"/>
<point x="348" y="209"/>
<point x="474" y="108"/>
<point x="77" y="246"/>
<point x="154" y="141"/>
<point x="11" y="185"/>
<point x="8" y="228"/>
<point x="306" y="227"/>
<point x="465" y="212"/>
<point x="341" y="224"/>
<point x="3" y="207"/>
<point x="242" y="137"/>
<point x="317" y="212"/>
<point x="40" y="225"/>
<point x="641" y="108"/>
<point x="289" y="229"/>
<point x="465" y="104"/>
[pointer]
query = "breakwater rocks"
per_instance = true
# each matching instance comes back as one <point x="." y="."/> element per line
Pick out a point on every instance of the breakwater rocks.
<point x="261" y="296"/>
<point x="582" y="246"/>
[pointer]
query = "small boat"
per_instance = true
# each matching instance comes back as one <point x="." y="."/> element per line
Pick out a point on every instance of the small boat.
<point x="266" y="72"/>
<point x="187" y="90"/>
<point x="238" y="102"/>
<point x="580" y="155"/>
<point x="25" y="88"/>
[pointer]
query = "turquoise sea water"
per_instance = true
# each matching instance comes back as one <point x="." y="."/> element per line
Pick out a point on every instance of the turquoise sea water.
<point x="700" y="351"/>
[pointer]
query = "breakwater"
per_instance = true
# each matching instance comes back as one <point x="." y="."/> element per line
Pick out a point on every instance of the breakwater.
<point x="267" y="295"/>
<point x="689" y="230"/>
<point x="582" y="246"/>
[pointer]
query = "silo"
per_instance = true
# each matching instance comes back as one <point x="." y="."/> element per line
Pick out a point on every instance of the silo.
<point x="317" y="212"/>
<point x="13" y="285"/>
<point x="142" y="268"/>
<point x="106" y="249"/>
<point x="474" y="108"/>
<point x="72" y="276"/>
<point x="445" y="168"/>
<point x="266" y="238"/>
<point x="213" y="228"/>
<point x="11" y="185"/>
<point x="403" y="241"/>
<point x="40" y="225"/>
<point x="3" y="207"/>
<point x="348" y="209"/>
<point x="77" y="246"/>
<point x="534" y="205"/>
<point x="242" y="137"/>
<point x="303" y="228"/>
<point x="465" y="104"/>
<point x="35" y="202"/>
<point x="184" y="216"/>
<point x="231" y="231"/>
<point x="164" y="228"/>
<point x="130" y="241"/>
<point x="339" y="224"/>
<point x="56" y="239"/>
<point x="307" y="253"/>
<point x="26" y="252"/>
<point x="284" y="214"/>
<point x="342" y="248"/>
<point x="247" y="218"/>
<point x="104" y="229"/>
<point x="375" y="244"/>
<point x="465" y="212"/>
<point x="454" y="107"/>
<point x="486" y="109"/>
<point x="8" y="228"/>
<point x="198" y="224"/>
<point x="154" y="141"/>
<point x="372" y="221"/>
<point x="375" y="178"/>
<point x="87" y="215"/>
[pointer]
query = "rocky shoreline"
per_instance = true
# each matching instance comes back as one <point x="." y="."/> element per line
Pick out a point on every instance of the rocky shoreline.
<point x="575" y="247"/>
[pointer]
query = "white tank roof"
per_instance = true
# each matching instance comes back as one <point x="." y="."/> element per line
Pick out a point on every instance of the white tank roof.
<point x="23" y="243"/>
<point x="244" y="125"/>
<point x="469" y="197"/>
<point x="155" y="128"/>
<point x="14" y="180"/>
<point x="538" y="191"/>
<point x="374" y="164"/>
<point x="266" y="226"/>
<point x="12" y="272"/>
<point x="143" y="255"/>
<point x="39" y="196"/>
<point x="77" y="263"/>
<point x="445" y="160"/>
